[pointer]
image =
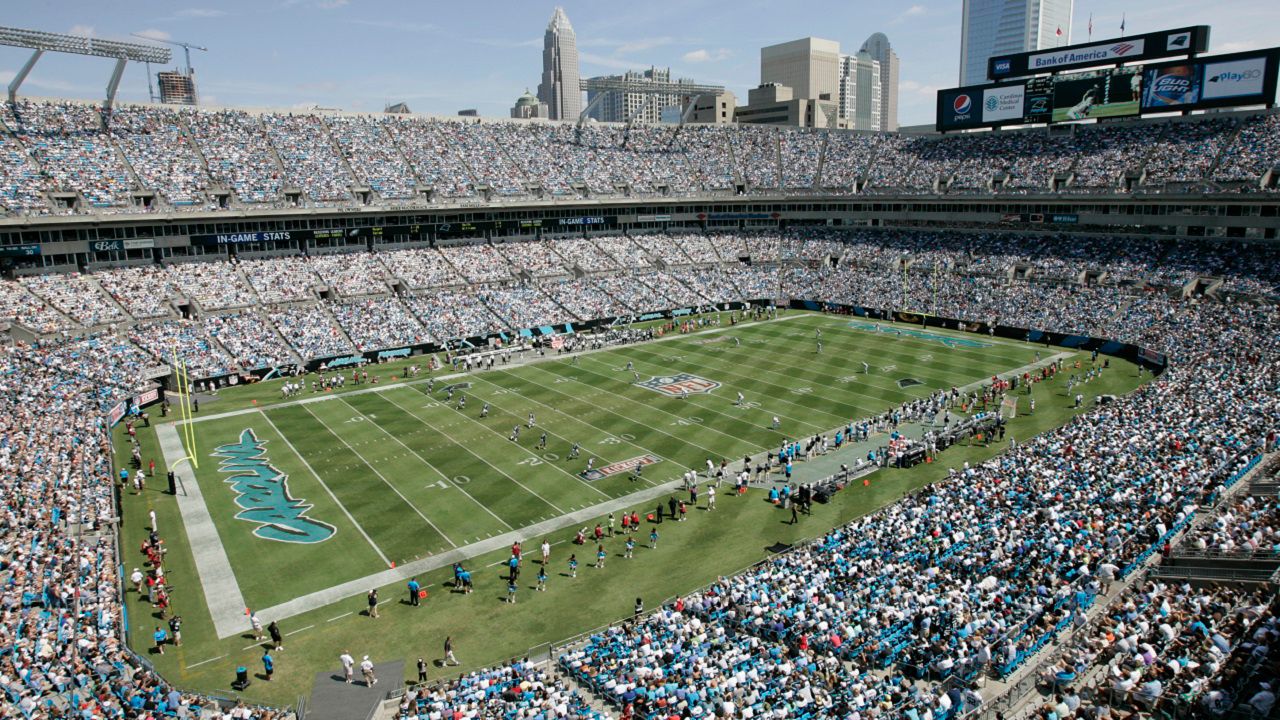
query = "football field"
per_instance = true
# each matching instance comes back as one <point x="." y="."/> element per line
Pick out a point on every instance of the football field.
<point x="334" y="487"/>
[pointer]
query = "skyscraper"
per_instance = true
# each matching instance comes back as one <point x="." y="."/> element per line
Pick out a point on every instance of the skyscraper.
<point x="619" y="106"/>
<point x="810" y="67"/>
<point x="998" y="27"/>
<point x="560" y="88"/>
<point x="877" y="46"/>
<point x="861" y="93"/>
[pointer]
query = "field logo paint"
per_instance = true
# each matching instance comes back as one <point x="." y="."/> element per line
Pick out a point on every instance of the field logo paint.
<point x="674" y="385"/>
<point x="263" y="492"/>
<point x="617" y="468"/>
<point x="947" y="340"/>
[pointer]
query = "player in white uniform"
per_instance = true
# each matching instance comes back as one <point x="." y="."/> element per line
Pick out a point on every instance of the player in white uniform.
<point x="1080" y="110"/>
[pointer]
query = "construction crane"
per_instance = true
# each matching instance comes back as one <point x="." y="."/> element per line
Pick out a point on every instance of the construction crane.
<point x="186" y="47"/>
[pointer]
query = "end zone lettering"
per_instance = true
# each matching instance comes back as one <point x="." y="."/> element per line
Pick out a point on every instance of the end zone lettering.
<point x="617" y="468"/>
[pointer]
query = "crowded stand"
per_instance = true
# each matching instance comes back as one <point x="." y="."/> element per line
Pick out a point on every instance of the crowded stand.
<point x="18" y="305"/>
<point x="584" y="299"/>
<point x="185" y="338"/>
<point x="452" y="314"/>
<point x="662" y="247"/>
<point x="311" y="163"/>
<point x="22" y="185"/>
<point x="707" y="147"/>
<point x="68" y="141"/>
<point x="183" y="155"/>
<point x="623" y="251"/>
<point x="421" y="268"/>
<point x="250" y="339"/>
<point x="310" y="331"/>
<point x="155" y="145"/>
<point x="373" y="158"/>
<point x="828" y="629"/>
<point x="1170" y="648"/>
<point x="77" y="296"/>
<point x="143" y="291"/>
<point x="281" y="279"/>
<point x="755" y="152"/>
<point x="435" y="158"/>
<point x="215" y="285"/>
<point x="351" y="274"/>
<point x="523" y="307"/>
<point x="800" y="154"/>
<point x="378" y="323"/>
<point x="1251" y="525"/>
<point x="535" y="257"/>
<point x="517" y="689"/>
<point x="583" y="254"/>
<point x="479" y="263"/>
<point x="847" y="158"/>
<point x="235" y="145"/>
<point x="1256" y="150"/>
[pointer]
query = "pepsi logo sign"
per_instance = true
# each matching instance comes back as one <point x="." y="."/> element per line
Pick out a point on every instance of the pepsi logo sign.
<point x="962" y="104"/>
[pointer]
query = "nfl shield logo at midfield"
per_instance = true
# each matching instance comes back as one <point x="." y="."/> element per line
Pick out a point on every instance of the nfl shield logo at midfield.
<point x="674" y="385"/>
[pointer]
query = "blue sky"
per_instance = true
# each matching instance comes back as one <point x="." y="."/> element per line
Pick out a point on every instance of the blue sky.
<point x="440" y="57"/>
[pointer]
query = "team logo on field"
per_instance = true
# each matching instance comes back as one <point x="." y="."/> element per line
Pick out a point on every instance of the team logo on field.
<point x="905" y="383"/>
<point x="622" y="466"/>
<point x="675" y="385"/>
<point x="263" y="492"/>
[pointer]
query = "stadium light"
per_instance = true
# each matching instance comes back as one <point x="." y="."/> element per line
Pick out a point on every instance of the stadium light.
<point x="42" y="42"/>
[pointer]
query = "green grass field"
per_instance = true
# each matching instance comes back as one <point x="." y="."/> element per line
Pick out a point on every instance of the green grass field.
<point x="397" y="474"/>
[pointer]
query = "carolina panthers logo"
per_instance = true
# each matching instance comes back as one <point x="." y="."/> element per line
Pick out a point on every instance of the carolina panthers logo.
<point x="263" y="493"/>
<point x="677" y="385"/>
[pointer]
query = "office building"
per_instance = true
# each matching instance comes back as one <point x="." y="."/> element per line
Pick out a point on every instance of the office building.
<point x="560" y="88"/>
<point x="527" y="106"/>
<point x="1000" y="27"/>
<point x="861" y="93"/>
<point x="877" y="46"/>
<point x="715" y="109"/>
<point x="641" y="107"/>
<point x="810" y="67"/>
<point x="177" y="88"/>
<point x="777" y="104"/>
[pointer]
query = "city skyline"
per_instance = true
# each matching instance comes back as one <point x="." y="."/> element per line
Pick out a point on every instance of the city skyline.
<point x="361" y="55"/>
<point x="1005" y="27"/>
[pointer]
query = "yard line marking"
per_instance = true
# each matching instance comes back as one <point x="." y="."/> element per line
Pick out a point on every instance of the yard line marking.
<point x="664" y="412"/>
<point x="527" y="450"/>
<point x="295" y="632"/>
<point x="203" y="662"/>
<point x="435" y="469"/>
<point x="384" y="479"/>
<point x="766" y="413"/>
<point x="637" y="422"/>
<point x="345" y="511"/>
<point x="340" y="616"/>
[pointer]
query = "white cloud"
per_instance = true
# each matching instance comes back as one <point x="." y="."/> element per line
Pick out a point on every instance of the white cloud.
<point x="918" y="88"/>
<point x="501" y="43"/>
<point x="702" y="55"/>
<point x="81" y="30"/>
<point x="154" y="34"/>
<point x="914" y="11"/>
<point x="1238" y="46"/>
<point x="201" y="13"/>
<point x="333" y="4"/>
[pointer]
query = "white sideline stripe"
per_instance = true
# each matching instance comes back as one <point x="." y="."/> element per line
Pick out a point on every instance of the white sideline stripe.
<point x="217" y="578"/>
<point x="333" y="497"/>
<point x="345" y="614"/>
<point x="205" y="662"/>
<point x="295" y="632"/>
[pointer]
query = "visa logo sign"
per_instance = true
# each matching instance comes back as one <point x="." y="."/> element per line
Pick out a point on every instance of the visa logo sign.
<point x="1003" y="66"/>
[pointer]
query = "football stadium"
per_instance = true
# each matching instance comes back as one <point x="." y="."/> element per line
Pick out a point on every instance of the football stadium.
<point x="323" y="414"/>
